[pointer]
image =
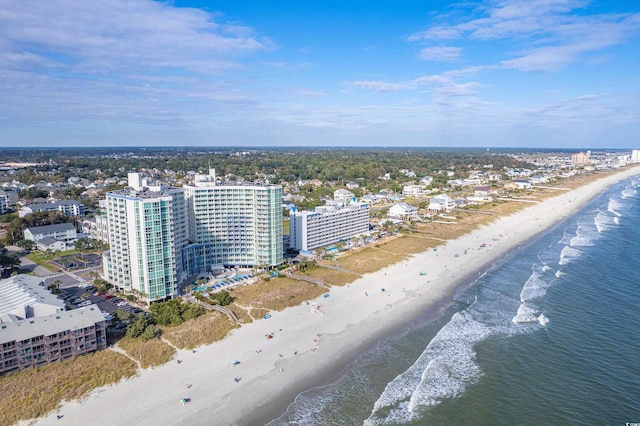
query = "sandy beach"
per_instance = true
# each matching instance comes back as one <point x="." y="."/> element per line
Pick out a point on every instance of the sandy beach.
<point x="314" y="343"/>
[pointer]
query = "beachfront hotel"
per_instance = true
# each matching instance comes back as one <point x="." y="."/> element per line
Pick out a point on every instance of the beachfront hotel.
<point x="147" y="228"/>
<point x="35" y="328"/>
<point x="159" y="236"/>
<point x="325" y="225"/>
<point x="232" y="224"/>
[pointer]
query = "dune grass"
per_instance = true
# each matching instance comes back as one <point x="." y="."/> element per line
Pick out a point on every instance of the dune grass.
<point x="368" y="259"/>
<point x="276" y="294"/>
<point x="332" y="276"/>
<point x="149" y="353"/>
<point x="30" y="393"/>
<point x="204" y="330"/>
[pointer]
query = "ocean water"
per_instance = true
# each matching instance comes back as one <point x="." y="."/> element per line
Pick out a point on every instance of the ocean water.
<point x="550" y="336"/>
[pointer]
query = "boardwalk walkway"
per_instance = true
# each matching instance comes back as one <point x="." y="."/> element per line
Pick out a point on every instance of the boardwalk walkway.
<point x="218" y="308"/>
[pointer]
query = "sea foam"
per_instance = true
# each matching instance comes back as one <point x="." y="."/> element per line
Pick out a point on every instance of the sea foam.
<point x="568" y="254"/>
<point x="443" y="370"/>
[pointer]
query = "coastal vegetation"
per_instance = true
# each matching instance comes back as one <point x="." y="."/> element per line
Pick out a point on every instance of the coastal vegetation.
<point x="203" y="330"/>
<point x="275" y="294"/>
<point x="33" y="393"/>
<point x="147" y="352"/>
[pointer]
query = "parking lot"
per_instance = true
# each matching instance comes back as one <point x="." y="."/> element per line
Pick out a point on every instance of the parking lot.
<point x="73" y="296"/>
<point x="78" y="261"/>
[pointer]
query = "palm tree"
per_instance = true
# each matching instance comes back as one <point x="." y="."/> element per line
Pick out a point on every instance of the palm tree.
<point x="54" y="287"/>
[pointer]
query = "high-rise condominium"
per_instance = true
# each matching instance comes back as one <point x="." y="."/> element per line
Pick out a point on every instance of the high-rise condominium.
<point x="233" y="224"/>
<point x="147" y="232"/>
<point x="158" y="235"/>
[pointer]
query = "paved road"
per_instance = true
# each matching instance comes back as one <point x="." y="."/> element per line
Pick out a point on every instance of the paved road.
<point x="28" y="265"/>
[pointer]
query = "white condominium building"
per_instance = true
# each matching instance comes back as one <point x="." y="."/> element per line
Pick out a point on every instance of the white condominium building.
<point x="326" y="225"/>
<point x="147" y="232"/>
<point x="234" y="224"/>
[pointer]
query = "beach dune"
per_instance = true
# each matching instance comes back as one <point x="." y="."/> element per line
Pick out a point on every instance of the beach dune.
<point x="250" y="378"/>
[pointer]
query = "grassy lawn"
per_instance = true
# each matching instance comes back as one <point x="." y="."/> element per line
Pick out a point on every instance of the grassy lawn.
<point x="30" y="394"/>
<point x="41" y="259"/>
<point x="149" y="353"/>
<point x="204" y="330"/>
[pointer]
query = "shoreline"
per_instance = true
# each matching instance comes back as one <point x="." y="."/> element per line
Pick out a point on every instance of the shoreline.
<point x="309" y="348"/>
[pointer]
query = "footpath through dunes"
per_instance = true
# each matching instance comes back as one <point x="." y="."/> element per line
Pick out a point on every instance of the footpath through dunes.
<point x="305" y="346"/>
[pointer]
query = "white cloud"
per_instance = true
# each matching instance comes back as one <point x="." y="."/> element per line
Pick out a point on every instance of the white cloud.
<point x="382" y="86"/>
<point x="442" y="90"/>
<point x="118" y="58"/>
<point x="437" y="33"/>
<point x="550" y="33"/>
<point x="440" y="53"/>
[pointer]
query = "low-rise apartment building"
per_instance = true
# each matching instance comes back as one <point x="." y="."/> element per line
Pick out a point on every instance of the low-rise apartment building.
<point x="66" y="207"/>
<point x="62" y="231"/>
<point x="36" y="330"/>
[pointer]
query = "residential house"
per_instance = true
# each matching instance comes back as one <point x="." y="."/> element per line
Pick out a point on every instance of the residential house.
<point x="53" y="244"/>
<point x="441" y="203"/>
<point x="352" y="185"/>
<point x="343" y="196"/>
<point x="426" y="180"/>
<point x="413" y="191"/>
<point x="369" y="199"/>
<point x="484" y="191"/>
<point x="403" y="211"/>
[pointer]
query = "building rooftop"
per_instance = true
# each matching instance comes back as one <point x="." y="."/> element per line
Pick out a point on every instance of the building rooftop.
<point x="60" y="227"/>
<point x="145" y="193"/>
<point x="76" y="319"/>
<point x="23" y="290"/>
<point x="54" y="204"/>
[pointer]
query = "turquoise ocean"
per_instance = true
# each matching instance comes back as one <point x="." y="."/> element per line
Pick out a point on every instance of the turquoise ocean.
<point x="549" y="335"/>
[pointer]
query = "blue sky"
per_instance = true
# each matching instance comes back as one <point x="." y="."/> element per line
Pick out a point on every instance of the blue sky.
<point x="495" y="73"/>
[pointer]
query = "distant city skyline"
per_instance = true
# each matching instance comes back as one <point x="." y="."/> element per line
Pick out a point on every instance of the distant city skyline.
<point x="494" y="73"/>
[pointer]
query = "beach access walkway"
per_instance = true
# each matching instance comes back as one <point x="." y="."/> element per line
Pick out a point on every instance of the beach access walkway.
<point x="232" y="316"/>
<point x="315" y="281"/>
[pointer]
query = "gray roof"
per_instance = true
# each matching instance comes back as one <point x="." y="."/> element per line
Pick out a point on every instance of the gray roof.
<point x="45" y="206"/>
<point x="47" y="241"/>
<point x="51" y="324"/>
<point x="60" y="227"/>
